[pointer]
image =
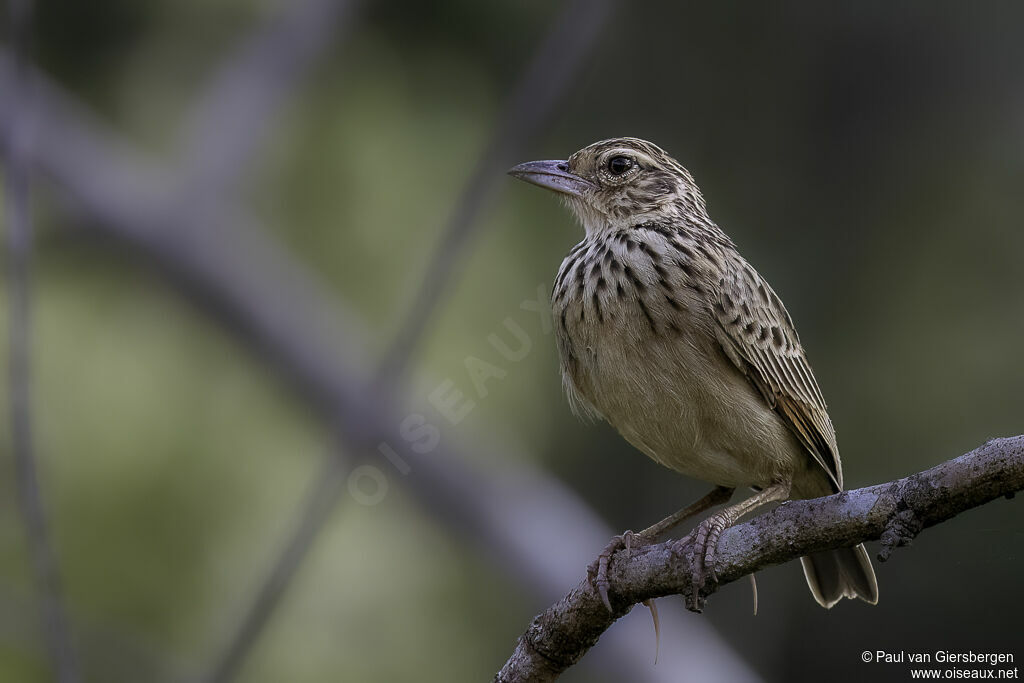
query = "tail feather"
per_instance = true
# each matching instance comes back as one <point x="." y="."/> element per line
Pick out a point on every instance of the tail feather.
<point x="836" y="574"/>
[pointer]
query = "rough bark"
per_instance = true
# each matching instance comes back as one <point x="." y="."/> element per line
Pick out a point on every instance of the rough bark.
<point x="894" y="513"/>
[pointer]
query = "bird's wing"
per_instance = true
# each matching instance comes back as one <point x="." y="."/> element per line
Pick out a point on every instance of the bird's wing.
<point x="757" y="334"/>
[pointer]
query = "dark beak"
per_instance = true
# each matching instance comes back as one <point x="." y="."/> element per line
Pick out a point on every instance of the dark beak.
<point x="553" y="175"/>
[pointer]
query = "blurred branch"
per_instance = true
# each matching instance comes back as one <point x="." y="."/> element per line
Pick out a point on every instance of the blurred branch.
<point x="16" y="138"/>
<point x="526" y="522"/>
<point x="139" y="657"/>
<point x="249" y="88"/>
<point x="894" y="512"/>
<point x="244" y="95"/>
<point x="317" y="506"/>
<point x="543" y="84"/>
<point x="540" y="87"/>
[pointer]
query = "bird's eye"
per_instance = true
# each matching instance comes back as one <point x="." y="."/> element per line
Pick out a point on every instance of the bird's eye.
<point x="619" y="165"/>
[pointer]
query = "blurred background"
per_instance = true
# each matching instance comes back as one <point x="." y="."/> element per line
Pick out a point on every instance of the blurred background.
<point x="295" y="414"/>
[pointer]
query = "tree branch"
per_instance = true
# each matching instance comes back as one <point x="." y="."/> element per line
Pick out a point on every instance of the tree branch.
<point x="894" y="512"/>
<point x="537" y="94"/>
<point x="248" y="90"/>
<point x="538" y="90"/>
<point x="16" y="133"/>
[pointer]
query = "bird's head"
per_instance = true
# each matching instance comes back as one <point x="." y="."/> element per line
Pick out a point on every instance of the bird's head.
<point x="619" y="183"/>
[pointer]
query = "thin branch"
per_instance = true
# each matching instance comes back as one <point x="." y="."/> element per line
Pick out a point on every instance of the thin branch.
<point x="894" y="512"/>
<point x="17" y="134"/>
<point x="542" y="86"/>
<point x="533" y="527"/>
<point x="243" y="97"/>
<point x="140" y="657"/>
<point x="250" y="87"/>
<point x="317" y="506"/>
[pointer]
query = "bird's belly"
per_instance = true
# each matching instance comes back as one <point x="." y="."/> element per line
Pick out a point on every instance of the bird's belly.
<point x="688" y="408"/>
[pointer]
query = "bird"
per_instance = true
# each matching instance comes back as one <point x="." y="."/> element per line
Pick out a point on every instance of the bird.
<point x="666" y="332"/>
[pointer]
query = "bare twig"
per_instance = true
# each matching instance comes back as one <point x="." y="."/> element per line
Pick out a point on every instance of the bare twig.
<point x="247" y="91"/>
<point x="546" y="80"/>
<point x="537" y="530"/>
<point x="56" y="628"/>
<point x="894" y="512"/>
<point x="317" y="508"/>
<point x="243" y="96"/>
<point x="139" y="656"/>
<point x="542" y="84"/>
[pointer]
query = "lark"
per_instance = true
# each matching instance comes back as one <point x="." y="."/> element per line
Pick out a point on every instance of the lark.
<point x="669" y="334"/>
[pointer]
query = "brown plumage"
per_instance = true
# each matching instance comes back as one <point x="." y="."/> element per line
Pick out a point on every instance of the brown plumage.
<point x="667" y="332"/>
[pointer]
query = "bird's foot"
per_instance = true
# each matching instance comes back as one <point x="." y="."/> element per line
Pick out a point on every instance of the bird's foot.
<point x="597" y="571"/>
<point x="705" y="548"/>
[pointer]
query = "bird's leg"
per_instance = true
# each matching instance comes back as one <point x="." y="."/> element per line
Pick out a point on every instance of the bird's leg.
<point x="707" y="533"/>
<point x="598" y="570"/>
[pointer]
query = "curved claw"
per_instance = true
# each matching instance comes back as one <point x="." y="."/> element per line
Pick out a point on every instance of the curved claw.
<point x="599" y="574"/>
<point x="657" y="627"/>
<point x="753" y="586"/>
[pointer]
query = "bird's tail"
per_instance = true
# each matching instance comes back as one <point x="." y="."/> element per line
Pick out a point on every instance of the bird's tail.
<point x="836" y="574"/>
